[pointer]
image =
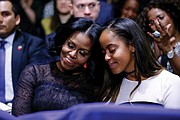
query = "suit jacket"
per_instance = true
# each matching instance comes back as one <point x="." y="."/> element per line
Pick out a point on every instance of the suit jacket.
<point x="106" y="13"/>
<point x="27" y="49"/>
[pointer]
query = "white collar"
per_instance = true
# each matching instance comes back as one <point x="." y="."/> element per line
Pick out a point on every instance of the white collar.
<point x="10" y="38"/>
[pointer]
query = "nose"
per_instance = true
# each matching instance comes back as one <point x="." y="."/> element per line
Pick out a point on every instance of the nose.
<point x="130" y="14"/>
<point x="73" y="54"/>
<point x="87" y="11"/>
<point x="107" y="57"/>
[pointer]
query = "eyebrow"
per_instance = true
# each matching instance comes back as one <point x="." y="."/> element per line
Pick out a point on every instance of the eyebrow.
<point x="80" y="48"/>
<point x="85" y="50"/>
<point x="109" y="46"/>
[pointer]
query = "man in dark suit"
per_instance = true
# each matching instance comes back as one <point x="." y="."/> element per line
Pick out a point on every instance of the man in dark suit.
<point x="106" y="13"/>
<point x="20" y="48"/>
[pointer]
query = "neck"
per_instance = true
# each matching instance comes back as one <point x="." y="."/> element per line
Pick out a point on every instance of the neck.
<point x="64" y="18"/>
<point x="130" y="75"/>
<point x="70" y="72"/>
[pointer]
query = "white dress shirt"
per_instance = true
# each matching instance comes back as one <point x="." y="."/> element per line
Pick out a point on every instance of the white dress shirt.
<point x="9" y="93"/>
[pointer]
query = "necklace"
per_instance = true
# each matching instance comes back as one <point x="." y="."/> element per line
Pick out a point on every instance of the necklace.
<point x="129" y="73"/>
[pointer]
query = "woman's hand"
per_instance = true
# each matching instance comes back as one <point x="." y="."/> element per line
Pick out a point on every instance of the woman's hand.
<point x="165" y="42"/>
<point x="26" y="3"/>
<point x="156" y="49"/>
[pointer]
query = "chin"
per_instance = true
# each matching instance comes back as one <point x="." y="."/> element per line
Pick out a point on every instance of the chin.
<point x="115" y="72"/>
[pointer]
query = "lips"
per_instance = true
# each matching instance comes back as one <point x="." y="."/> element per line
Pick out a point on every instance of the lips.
<point x="112" y="65"/>
<point x="1" y="27"/>
<point x="88" y="17"/>
<point x="69" y="61"/>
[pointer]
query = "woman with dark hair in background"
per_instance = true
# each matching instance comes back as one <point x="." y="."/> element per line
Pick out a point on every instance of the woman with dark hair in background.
<point x="163" y="17"/>
<point x="66" y="82"/>
<point x="138" y="76"/>
<point x="60" y="16"/>
<point x="127" y="9"/>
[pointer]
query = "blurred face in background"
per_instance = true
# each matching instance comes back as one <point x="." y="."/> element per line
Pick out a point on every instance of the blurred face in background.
<point x="85" y="8"/>
<point x="63" y="6"/>
<point x="130" y="9"/>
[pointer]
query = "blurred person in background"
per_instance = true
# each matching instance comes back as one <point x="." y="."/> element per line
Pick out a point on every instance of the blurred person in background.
<point x="19" y="48"/>
<point x="128" y="9"/>
<point x="31" y="12"/>
<point x="163" y="17"/>
<point x="61" y="15"/>
<point x="93" y="9"/>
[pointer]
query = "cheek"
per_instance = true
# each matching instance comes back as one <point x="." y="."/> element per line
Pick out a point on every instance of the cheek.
<point x="124" y="12"/>
<point x="169" y="21"/>
<point x="122" y="62"/>
<point x="78" y="13"/>
<point x="123" y="57"/>
<point x="171" y="30"/>
<point x="64" y="50"/>
<point x="135" y="15"/>
<point x="118" y="55"/>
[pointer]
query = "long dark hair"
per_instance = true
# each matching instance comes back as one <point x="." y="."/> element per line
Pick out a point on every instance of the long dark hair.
<point x="146" y="64"/>
<point x="55" y="18"/>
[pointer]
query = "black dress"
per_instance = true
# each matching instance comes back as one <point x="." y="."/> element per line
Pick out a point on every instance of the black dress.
<point x="44" y="87"/>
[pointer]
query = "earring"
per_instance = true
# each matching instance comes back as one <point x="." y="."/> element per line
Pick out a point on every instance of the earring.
<point x="85" y="66"/>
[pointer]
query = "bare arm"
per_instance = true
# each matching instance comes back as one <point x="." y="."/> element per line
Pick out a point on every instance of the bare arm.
<point x="26" y="5"/>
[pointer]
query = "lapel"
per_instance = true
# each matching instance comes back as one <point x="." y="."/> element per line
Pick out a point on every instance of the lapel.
<point x="17" y="51"/>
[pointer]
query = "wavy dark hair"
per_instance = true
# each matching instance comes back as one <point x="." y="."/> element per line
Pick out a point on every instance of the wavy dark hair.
<point x="84" y="25"/>
<point x="146" y="64"/>
<point x="169" y="7"/>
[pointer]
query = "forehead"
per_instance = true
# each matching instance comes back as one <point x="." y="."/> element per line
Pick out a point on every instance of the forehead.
<point x="5" y="6"/>
<point x="83" y="1"/>
<point x="131" y="3"/>
<point x="81" y="39"/>
<point x="154" y="12"/>
<point x="107" y="37"/>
